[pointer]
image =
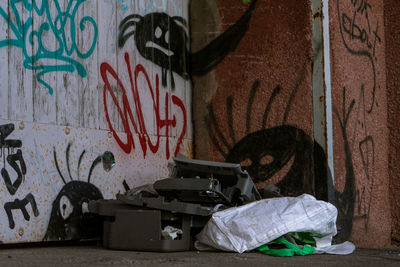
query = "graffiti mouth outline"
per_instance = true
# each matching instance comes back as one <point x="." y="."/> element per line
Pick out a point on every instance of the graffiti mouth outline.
<point x="151" y="44"/>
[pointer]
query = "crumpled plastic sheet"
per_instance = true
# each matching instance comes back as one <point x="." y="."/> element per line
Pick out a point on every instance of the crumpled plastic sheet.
<point x="249" y="226"/>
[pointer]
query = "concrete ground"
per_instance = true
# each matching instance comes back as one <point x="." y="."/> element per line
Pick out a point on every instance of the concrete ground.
<point x="92" y="255"/>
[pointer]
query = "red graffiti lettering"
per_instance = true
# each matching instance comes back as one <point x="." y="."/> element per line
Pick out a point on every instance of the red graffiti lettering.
<point x="127" y="116"/>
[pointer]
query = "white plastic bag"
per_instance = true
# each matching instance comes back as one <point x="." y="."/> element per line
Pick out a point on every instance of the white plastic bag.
<point x="249" y="226"/>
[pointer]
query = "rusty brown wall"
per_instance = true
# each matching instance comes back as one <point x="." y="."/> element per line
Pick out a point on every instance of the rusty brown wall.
<point x="255" y="106"/>
<point x="392" y="39"/>
<point x="360" y="132"/>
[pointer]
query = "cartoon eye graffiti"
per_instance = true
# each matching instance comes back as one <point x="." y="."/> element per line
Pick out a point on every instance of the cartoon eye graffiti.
<point x="66" y="208"/>
<point x="167" y="37"/>
<point x="267" y="159"/>
<point x="85" y="207"/>
<point x="164" y="41"/>
<point x="158" y="33"/>
<point x="70" y="218"/>
<point x="246" y="162"/>
<point x="270" y="150"/>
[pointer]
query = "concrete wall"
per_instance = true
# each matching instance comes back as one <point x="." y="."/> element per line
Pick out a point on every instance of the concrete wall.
<point x="255" y="106"/>
<point x="392" y="42"/>
<point x="78" y="97"/>
<point x="359" y="106"/>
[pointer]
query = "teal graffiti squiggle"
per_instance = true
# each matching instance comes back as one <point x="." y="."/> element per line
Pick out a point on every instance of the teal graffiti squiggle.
<point x="55" y="23"/>
<point x="148" y="6"/>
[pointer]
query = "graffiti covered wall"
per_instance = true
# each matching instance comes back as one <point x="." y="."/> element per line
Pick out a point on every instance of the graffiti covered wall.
<point x="254" y="106"/>
<point x="359" y="121"/>
<point x="95" y="99"/>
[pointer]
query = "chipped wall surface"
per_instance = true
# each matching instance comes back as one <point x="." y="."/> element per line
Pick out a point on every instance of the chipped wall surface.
<point x="86" y="84"/>
<point x="360" y="121"/>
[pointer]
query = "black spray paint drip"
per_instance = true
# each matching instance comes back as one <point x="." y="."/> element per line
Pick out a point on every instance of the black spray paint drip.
<point x="69" y="219"/>
<point x="163" y="40"/>
<point x="346" y="199"/>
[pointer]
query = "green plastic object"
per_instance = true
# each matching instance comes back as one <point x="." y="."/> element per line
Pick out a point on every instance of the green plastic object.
<point x="302" y="244"/>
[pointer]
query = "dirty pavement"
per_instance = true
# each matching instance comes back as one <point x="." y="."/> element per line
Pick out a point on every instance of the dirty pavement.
<point x="93" y="255"/>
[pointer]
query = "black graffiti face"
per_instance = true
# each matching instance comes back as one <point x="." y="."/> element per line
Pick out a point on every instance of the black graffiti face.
<point x="283" y="155"/>
<point x="70" y="219"/>
<point x="159" y="38"/>
<point x="266" y="152"/>
<point x="163" y="40"/>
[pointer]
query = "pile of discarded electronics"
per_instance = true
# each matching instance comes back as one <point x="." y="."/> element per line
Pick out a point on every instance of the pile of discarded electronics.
<point x="164" y="216"/>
